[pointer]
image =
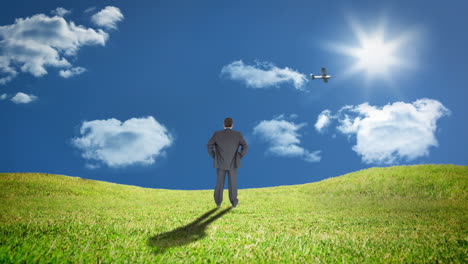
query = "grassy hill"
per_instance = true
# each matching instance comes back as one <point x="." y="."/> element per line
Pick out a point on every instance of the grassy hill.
<point x="397" y="215"/>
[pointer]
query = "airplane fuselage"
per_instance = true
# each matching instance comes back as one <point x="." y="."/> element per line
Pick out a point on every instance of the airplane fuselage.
<point x="322" y="77"/>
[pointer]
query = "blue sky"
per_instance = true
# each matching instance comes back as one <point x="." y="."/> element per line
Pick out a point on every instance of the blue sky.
<point x="130" y="92"/>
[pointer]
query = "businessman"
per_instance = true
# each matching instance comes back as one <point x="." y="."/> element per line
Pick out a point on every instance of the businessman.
<point x="223" y="147"/>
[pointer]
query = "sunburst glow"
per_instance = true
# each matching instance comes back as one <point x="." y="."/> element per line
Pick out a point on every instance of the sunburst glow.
<point x="376" y="55"/>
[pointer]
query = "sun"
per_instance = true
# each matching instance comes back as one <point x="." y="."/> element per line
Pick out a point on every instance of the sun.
<point x="376" y="55"/>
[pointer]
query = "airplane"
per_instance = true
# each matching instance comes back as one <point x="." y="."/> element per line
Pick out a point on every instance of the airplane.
<point x="324" y="76"/>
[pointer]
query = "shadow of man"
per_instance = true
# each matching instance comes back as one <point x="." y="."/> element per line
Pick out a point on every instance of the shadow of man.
<point x="185" y="234"/>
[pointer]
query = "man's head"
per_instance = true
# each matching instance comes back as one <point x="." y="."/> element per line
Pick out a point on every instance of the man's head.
<point x="228" y="123"/>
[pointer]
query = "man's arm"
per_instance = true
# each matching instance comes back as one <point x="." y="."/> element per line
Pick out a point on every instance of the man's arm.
<point x="244" y="146"/>
<point x="210" y="146"/>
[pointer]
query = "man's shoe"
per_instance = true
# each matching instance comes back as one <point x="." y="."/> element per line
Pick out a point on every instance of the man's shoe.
<point x="218" y="205"/>
<point x="234" y="205"/>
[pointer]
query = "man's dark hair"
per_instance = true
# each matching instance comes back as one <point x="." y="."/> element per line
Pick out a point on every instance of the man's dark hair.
<point x="228" y="122"/>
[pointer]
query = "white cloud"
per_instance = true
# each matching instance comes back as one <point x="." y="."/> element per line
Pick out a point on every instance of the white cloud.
<point x="71" y="72"/>
<point x="283" y="139"/>
<point x="108" y="17"/>
<point x="323" y="120"/>
<point x="22" y="98"/>
<point x="31" y="44"/>
<point x="92" y="166"/>
<point x="263" y="75"/>
<point x="7" y="72"/>
<point x="3" y="96"/>
<point x="394" y="132"/>
<point x="90" y="9"/>
<point x="60" y="11"/>
<point x="120" y="144"/>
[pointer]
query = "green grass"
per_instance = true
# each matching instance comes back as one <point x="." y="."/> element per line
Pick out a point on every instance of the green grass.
<point x="398" y="214"/>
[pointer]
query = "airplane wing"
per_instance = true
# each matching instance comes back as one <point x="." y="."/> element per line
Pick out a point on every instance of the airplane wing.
<point x="324" y="71"/>
<point x="325" y="80"/>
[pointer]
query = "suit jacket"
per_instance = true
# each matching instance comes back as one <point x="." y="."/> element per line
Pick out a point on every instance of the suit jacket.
<point x="223" y="147"/>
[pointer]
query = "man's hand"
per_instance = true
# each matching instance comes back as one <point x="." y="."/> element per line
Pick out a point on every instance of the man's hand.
<point x="244" y="146"/>
<point x="210" y="146"/>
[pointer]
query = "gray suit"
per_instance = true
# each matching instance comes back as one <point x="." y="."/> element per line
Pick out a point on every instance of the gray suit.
<point x="223" y="147"/>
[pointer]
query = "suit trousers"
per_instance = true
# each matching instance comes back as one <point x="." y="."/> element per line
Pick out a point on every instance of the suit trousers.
<point x="232" y="183"/>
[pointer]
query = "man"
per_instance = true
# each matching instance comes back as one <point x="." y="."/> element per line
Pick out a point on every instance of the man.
<point x="223" y="147"/>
